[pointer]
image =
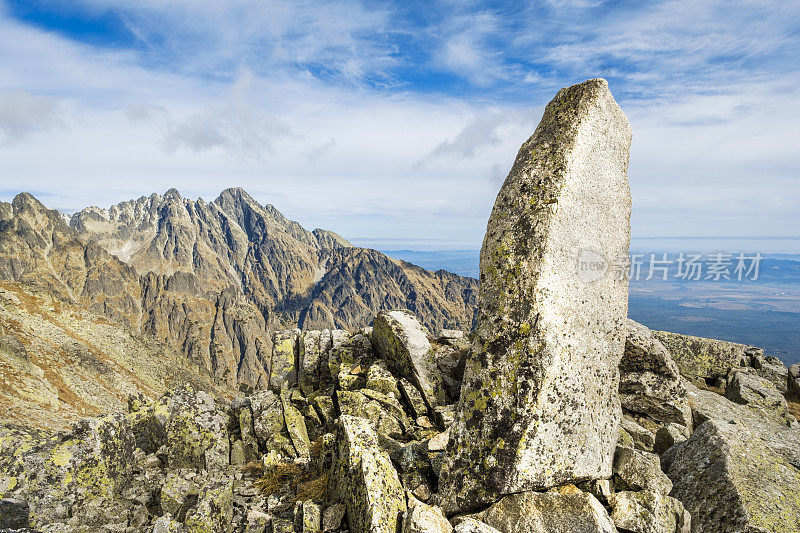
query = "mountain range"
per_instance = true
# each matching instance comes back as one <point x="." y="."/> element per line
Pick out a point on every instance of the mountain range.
<point x="206" y="282"/>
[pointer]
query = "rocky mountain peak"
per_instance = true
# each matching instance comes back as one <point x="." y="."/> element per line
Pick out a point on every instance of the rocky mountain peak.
<point x="173" y="195"/>
<point x="27" y="209"/>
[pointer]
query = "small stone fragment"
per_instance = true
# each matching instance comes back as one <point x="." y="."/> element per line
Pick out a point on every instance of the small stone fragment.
<point x="177" y="493"/>
<point x="413" y="398"/>
<point x="793" y="379"/>
<point x="312" y="348"/>
<point x="647" y="512"/>
<point x="422" y="518"/>
<point x="749" y="389"/>
<point x="312" y="517"/>
<point x="643" y="439"/>
<point x="13" y="513"/>
<point x="296" y="426"/>
<point x="381" y="380"/>
<point x="332" y="517"/>
<point x="470" y="525"/>
<point x="439" y="442"/>
<point x="638" y="470"/>
<point x="451" y="334"/>
<point x="668" y="436"/>
<point x="324" y="406"/>
<point x="284" y="355"/>
<point x="548" y="512"/>
<point x="256" y="521"/>
<point x="281" y="525"/>
<point x="445" y="415"/>
<point x="166" y="524"/>
<point x="214" y="509"/>
<point x="599" y="488"/>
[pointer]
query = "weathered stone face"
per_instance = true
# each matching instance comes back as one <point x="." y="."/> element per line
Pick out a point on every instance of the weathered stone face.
<point x="650" y="381"/>
<point x="549" y="512"/>
<point x="539" y="405"/>
<point x="750" y="389"/>
<point x="704" y="358"/>
<point x="648" y="512"/>
<point x="366" y="481"/>
<point x="730" y="481"/>
<point x="402" y="341"/>
<point x="421" y="518"/>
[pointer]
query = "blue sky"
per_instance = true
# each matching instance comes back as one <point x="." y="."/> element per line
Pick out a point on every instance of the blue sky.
<point x="394" y="123"/>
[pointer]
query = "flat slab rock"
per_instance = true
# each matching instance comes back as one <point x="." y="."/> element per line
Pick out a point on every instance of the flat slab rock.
<point x="648" y="512"/>
<point x="400" y="339"/>
<point x="698" y="357"/>
<point x="539" y="404"/>
<point x="761" y="425"/>
<point x="730" y="481"/>
<point x="548" y="512"/>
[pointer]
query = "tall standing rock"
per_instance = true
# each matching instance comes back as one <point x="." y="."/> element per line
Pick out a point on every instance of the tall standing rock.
<point x="539" y="405"/>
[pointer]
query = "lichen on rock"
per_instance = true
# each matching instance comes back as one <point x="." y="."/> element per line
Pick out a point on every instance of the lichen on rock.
<point x="539" y="404"/>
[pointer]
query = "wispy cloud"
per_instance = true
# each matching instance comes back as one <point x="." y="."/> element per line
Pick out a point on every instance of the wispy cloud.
<point x="238" y="127"/>
<point x="211" y="38"/>
<point x="480" y="132"/>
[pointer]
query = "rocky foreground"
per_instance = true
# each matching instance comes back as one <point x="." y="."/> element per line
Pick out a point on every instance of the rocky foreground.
<point x="556" y="414"/>
<point x="353" y="434"/>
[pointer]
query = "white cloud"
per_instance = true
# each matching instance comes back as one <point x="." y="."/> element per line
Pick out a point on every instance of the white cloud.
<point x="238" y="127"/>
<point x="23" y="114"/>
<point x="212" y="38"/>
<point x="464" y="48"/>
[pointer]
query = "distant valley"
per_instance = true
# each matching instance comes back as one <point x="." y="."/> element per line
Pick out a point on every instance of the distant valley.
<point x="764" y="313"/>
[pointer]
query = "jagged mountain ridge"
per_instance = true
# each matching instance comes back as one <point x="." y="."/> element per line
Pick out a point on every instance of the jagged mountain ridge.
<point x="211" y="280"/>
<point x="280" y="266"/>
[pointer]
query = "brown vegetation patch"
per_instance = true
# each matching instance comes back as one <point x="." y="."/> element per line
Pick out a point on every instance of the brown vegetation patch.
<point x="253" y="468"/>
<point x="794" y="404"/>
<point x="301" y="481"/>
<point x="315" y="489"/>
<point x="278" y="477"/>
<point x="68" y="396"/>
<point x="315" y="448"/>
